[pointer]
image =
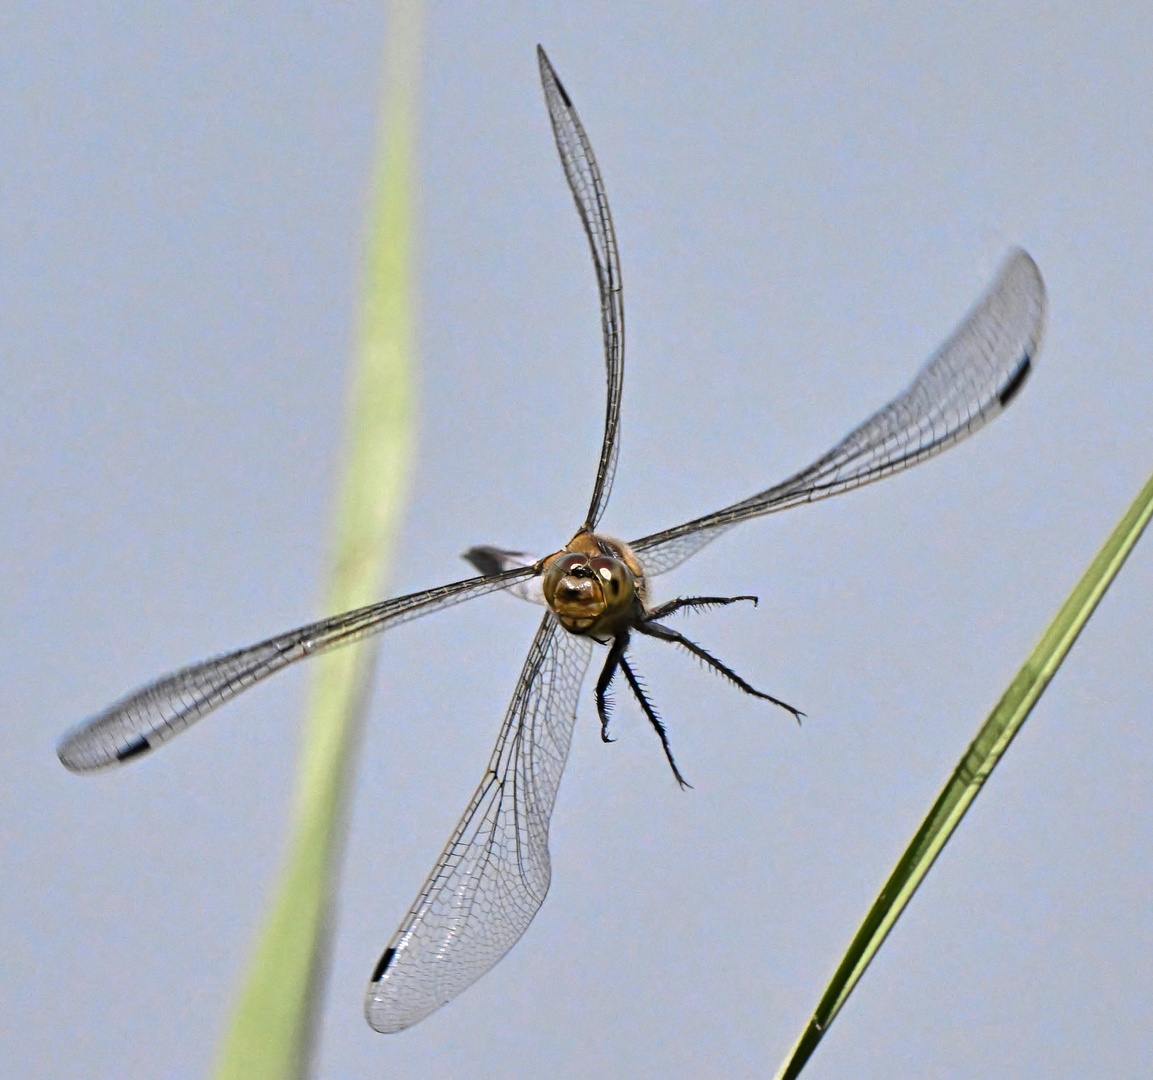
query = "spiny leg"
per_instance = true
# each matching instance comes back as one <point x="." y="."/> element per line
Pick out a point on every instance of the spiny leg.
<point x="661" y="610"/>
<point x="614" y="659"/>
<point x="655" y="720"/>
<point x="666" y="633"/>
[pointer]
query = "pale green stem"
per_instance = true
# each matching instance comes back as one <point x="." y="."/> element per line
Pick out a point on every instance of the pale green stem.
<point x="273" y="1031"/>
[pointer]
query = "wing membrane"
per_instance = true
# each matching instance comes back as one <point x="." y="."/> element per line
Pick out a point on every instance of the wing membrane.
<point x="584" y="179"/>
<point x="494" y="873"/>
<point x="494" y="560"/>
<point x="156" y="712"/>
<point x="968" y="381"/>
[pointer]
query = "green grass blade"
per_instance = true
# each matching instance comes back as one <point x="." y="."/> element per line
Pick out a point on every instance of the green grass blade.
<point x="272" y="1033"/>
<point x="979" y="761"/>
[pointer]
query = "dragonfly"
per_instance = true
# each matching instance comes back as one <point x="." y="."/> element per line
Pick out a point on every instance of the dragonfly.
<point x="495" y="870"/>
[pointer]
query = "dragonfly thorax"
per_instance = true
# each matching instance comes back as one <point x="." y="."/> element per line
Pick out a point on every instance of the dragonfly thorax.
<point x="594" y="586"/>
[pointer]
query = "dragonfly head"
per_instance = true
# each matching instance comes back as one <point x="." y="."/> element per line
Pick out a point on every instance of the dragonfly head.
<point x="590" y="593"/>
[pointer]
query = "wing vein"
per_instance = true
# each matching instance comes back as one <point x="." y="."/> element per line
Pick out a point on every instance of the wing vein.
<point x="494" y="873"/>
<point x="588" y="191"/>
<point x="968" y="381"/>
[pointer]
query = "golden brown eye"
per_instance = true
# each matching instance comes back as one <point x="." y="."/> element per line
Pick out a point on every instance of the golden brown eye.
<point x="610" y="572"/>
<point x="567" y="567"/>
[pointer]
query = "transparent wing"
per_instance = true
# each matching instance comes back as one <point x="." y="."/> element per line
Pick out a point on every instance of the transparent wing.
<point x="494" y="560"/>
<point x="584" y="178"/>
<point x="969" y="380"/>
<point x="156" y="712"/>
<point x="494" y="873"/>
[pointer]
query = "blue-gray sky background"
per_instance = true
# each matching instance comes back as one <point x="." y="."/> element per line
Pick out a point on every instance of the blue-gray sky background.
<point x="807" y="197"/>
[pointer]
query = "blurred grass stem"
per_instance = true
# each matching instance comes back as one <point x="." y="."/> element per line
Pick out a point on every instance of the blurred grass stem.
<point x="273" y="1032"/>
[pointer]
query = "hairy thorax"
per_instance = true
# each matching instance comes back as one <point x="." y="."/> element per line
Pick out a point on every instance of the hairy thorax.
<point x="595" y="585"/>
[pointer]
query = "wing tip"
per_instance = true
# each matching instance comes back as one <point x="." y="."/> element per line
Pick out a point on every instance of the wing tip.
<point x="1026" y="277"/>
<point x="73" y="756"/>
<point x="81" y="756"/>
<point x="68" y="758"/>
<point x="389" y="1009"/>
<point x="1019" y="260"/>
<point x="549" y="77"/>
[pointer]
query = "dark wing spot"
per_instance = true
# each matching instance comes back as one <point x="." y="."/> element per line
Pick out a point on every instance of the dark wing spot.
<point x="486" y="559"/>
<point x="134" y="749"/>
<point x="493" y="560"/>
<point x="382" y="965"/>
<point x="1013" y="386"/>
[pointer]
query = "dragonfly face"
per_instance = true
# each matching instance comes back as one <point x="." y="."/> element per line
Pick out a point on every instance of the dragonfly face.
<point x="595" y="586"/>
<point x="495" y="870"/>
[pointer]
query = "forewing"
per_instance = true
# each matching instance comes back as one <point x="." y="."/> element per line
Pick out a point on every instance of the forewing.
<point x="494" y="872"/>
<point x="584" y="178"/>
<point x="156" y="712"/>
<point x="969" y="380"/>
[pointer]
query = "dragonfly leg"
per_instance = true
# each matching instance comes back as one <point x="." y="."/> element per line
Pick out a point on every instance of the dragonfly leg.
<point x="661" y="610"/>
<point x="655" y="720"/>
<point x="666" y="633"/>
<point x="614" y="660"/>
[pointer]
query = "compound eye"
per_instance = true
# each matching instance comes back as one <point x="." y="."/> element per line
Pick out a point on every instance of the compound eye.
<point x="612" y="574"/>
<point x="568" y="563"/>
